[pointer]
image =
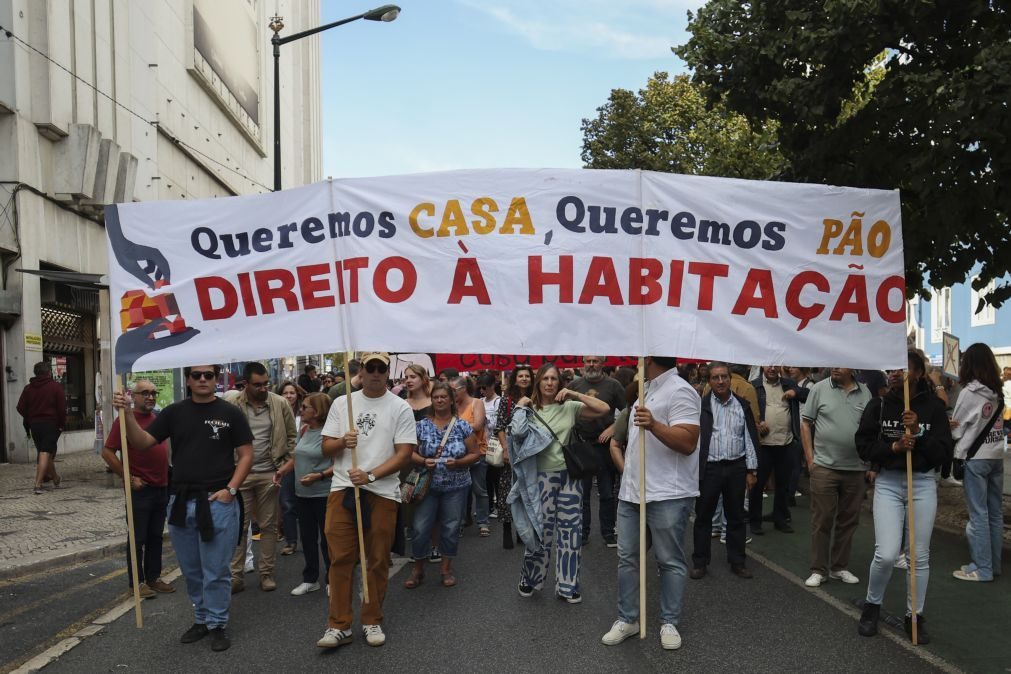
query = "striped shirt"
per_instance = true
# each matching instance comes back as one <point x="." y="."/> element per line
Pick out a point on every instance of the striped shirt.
<point x="731" y="440"/>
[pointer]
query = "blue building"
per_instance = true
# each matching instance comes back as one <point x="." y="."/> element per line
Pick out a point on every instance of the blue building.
<point x="952" y="310"/>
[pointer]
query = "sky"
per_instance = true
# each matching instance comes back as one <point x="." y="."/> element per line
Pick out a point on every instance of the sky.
<point x="455" y="84"/>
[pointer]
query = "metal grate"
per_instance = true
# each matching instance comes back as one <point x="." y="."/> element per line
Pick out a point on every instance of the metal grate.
<point x="64" y="330"/>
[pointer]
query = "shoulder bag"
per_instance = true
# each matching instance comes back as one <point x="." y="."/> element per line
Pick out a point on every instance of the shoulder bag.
<point x="417" y="482"/>
<point x="581" y="457"/>
<point x="958" y="465"/>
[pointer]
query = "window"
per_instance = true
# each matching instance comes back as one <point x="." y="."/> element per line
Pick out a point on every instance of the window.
<point x="940" y="313"/>
<point x="988" y="315"/>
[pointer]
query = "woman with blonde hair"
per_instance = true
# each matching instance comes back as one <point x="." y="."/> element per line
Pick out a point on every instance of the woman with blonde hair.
<point x="419" y="390"/>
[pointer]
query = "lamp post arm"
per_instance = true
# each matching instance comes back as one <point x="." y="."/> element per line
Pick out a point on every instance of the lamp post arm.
<point x="319" y="29"/>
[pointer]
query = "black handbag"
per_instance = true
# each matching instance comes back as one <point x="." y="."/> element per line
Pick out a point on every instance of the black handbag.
<point x="581" y="457"/>
<point x="958" y="465"/>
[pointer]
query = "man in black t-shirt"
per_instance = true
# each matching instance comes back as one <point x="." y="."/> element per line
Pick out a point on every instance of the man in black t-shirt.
<point x="596" y="384"/>
<point x="207" y="434"/>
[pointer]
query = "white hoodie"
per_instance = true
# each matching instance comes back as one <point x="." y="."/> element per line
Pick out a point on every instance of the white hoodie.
<point x="975" y="405"/>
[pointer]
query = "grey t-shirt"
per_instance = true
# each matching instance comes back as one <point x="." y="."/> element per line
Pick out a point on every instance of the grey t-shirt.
<point x="836" y="414"/>
<point x="608" y="390"/>
<point x="309" y="459"/>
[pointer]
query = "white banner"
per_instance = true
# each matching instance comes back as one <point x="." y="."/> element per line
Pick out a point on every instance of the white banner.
<point x="518" y="262"/>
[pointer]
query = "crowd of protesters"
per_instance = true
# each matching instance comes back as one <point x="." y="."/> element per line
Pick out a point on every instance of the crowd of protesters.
<point x="434" y="456"/>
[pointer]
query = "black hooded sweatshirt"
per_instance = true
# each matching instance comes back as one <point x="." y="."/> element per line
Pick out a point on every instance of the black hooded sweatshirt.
<point x="881" y="425"/>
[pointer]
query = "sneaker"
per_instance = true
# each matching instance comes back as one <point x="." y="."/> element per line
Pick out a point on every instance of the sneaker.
<point x="288" y="549"/>
<point x="194" y="633"/>
<point x="219" y="640"/>
<point x="374" y="635"/>
<point x="333" y="638"/>
<point x="747" y="539"/>
<point x="305" y="588"/>
<point x="611" y="541"/>
<point x="949" y="482"/>
<point x="37" y="491"/>
<point x="435" y="557"/>
<point x="493" y="515"/>
<point x="972" y="576"/>
<point x="868" y="625"/>
<point x="619" y="631"/>
<point x="525" y="590"/>
<point x="815" y="580"/>
<point x="576" y="598"/>
<point x="845" y="576"/>
<point x="901" y="562"/>
<point x="669" y="637"/>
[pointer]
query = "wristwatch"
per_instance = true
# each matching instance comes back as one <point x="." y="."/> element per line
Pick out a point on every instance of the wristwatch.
<point x="372" y="477"/>
<point x="233" y="491"/>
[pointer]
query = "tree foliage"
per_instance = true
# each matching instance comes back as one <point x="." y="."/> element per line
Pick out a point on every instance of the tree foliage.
<point x="667" y="127"/>
<point x="931" y="118"/>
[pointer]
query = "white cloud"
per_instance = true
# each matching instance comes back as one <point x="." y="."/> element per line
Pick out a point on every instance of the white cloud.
<point x="633" y="29"/>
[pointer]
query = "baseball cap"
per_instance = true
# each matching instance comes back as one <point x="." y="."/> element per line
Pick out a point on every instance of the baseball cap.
<point x="376" y="355"/>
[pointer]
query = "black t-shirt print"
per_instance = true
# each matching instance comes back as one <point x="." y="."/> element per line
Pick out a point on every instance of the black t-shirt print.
<point x="204" y="437"/>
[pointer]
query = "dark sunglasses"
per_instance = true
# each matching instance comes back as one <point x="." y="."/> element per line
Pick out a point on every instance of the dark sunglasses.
<point x="381" y="368"/>
<point x="203" y="374"/>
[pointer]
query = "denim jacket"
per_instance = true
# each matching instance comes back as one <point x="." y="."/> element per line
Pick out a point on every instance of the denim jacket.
<point x="526" y="440"/>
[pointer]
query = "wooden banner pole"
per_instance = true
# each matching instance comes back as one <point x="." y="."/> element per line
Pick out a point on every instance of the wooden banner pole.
<point x="128" y="488"/>
<point x="358" y="496"/>
<point x="909" y="514"/>
<point x="642" y="506"/>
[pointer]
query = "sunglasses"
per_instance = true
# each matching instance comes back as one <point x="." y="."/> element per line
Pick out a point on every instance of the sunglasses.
<point x="203" y="374"/>
<point x="373" y="367"/>
<point x="146" y="394"/>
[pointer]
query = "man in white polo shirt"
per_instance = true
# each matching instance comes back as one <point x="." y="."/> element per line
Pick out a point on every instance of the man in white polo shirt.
<point x="670" y="420"/>
<point x="384" y="436"/>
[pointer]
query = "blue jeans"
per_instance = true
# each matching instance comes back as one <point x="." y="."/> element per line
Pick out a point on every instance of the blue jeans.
<point x="984" y="482"/>
<point x="205" y="564"/>
<point x="889" y="523"/>
<point x="446" y="509"/>
<point x="479" y="487"/>
<point x="666" y="522"/>
<point x="289" y="509"/>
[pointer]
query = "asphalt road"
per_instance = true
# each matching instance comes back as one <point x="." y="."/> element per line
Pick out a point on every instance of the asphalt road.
<point x="767" y="624"/>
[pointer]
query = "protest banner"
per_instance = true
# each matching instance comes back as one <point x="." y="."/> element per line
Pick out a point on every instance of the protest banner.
<point x="517" y="262"/>
<point x="470" y="362"/>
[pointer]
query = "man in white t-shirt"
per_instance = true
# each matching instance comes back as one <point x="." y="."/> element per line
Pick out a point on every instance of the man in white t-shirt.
<point x="670" y="421"/>
<point x="383" y="436"/>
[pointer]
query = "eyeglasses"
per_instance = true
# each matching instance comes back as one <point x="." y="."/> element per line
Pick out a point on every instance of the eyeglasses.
<point x="203" y="374"/>
<point x="146" y="394"/>
<point x="373" y="367"/>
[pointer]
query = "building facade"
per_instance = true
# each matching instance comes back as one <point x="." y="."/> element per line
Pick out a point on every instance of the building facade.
<point x="113" y="101"/>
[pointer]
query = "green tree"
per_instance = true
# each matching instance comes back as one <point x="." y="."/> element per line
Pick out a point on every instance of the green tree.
<point x="930" y="118"/>
<point x="667" y="127"/>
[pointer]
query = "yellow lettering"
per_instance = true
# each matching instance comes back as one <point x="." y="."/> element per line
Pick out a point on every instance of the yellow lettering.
<point x="879" y="238"/>
<point x="427" y="209"/>
<point x="452" y="217"/>
<point x="833" y="228"/>
<point x="517" y="215"/>
<point x="852" y="239"/>
<point x="483" y="207"/>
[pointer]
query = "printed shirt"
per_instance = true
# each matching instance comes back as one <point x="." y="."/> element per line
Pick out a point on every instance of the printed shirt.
<point x="731" y="440"/>
<point x="429" y="439"/>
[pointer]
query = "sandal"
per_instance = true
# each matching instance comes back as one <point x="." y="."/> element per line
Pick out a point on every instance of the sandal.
<point x="416" y="579"/>
<point x="448" y="579"/>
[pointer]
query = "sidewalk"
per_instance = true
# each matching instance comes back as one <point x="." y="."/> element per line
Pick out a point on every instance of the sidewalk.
<point x="83" y="519"/>
<point x="968" y="621"/>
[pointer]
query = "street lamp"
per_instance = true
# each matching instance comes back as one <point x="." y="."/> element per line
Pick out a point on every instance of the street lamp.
<point x="386" y="13"/>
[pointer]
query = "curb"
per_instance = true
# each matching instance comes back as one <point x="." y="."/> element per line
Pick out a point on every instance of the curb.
<point x="86" y="552"/>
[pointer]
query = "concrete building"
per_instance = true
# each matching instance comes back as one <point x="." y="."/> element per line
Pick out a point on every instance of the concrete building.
<point x="111" y="101"/>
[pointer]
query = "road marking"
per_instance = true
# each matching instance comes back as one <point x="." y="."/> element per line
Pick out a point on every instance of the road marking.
<point x="10" y="615"/>
<point x="851" y="611"/>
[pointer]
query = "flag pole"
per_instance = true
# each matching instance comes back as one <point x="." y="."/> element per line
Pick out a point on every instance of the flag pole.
<point x="128" y="488"/>
<point x="909" y="516"/>
<point x="642" y="506"/>
<point x="348" y="356"/>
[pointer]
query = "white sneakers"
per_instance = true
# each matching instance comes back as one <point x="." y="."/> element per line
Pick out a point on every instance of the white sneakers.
<point x="305" y="588"/>
<point x="333" y="638"/>
<point x="902" y="562"/>
<point x="669" y="637"/>
<point x="816" y="579"/>
<point x="374" y="635"/>
<point x="971" y="576"/>
<point x="619" y="631"/>
<point x="845" y="576"/>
